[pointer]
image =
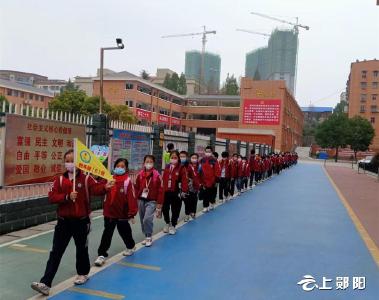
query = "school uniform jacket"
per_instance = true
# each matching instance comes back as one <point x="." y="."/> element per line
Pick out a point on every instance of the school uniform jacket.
<point x="234" y="165"/>
<point x="209" y="171"/>
<point x="227" y="164"/>
<point x="178" y="175"/>
<point x="193" y="177"/>
<point x="153" y="180"/>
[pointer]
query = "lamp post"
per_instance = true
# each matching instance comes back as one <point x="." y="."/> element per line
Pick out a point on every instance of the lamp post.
<point x="120" y="46"/>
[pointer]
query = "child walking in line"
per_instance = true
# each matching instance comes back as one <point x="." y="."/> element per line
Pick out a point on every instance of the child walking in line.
<point x="190" y="202"/>
<point x="225" y="173"/>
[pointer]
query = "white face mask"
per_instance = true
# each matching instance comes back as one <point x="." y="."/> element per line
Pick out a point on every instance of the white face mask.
<point x="194" y="160"/>
<point x="173" y="161"/>
<point x="69" y="167"/>
<point x="208" y="154"/>
<point x="149" y="166"/>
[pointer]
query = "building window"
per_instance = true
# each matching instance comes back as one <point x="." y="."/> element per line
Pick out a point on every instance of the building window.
<point x="176" y="114"/>
<point x="363" y="97"/>
<point x="31" y="96"/>
<point x="15" y="93"/>
<point x="374" y="108"/>
<point x="164" y="111"/>
<point x="229" y="117"/>
<point x="363" y="109"/>
<point x="36" y="97"/>
<point x="375" y="73"/>
<point x="144" y="90"/>
<point x="204" y="117"/>
<point x="177" y="101"/>
<point x="129" y="86"/>
<point x="129" y="103"/>
<point x="372" y="120"/>
<point x="163" y="96"/>
<point x="9" y="92"/>
<point x="363" y="85"/>
<point x="22" y="94"/>
<point x="42" y="98"/>
<point x="374" y="96"/>
<point x="375" y="85"/>
<point x="364" y="74"/>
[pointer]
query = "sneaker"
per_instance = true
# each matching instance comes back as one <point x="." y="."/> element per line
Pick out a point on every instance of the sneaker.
<point x="81" y="279"/>
<point x="128" y="252"/>
<point x="166" y="228"/>
<point x="144" y="242"/>
<point x="221" y="201"/>
<point x="186" y="218"/>
<point x="239" y="193"/>
<point x="172" y="230"/>
<point x="211" y="206"/>
<point x="40" y="288"/>
<point x="148" y="241"/>
<point x="100" y="261"/>
<point x="205" y="209"/>
<point x="193" y="216"/>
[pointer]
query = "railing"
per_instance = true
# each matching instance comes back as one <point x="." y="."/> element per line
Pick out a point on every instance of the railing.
<point x="24" y="192"/>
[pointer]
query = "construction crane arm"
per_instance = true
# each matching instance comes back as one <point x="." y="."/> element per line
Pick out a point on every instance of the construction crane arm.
<point x="279" y="20"/>
<point x="253" y="32"/>
<point x="188" y="34"/>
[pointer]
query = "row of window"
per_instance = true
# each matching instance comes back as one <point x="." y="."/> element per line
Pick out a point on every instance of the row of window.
<point x="31" y="96"/>
<point x="373" y="108"/>
<point x="374" y="85"/>
<point x="375" y="74"/>
<point x="363" y="97"/>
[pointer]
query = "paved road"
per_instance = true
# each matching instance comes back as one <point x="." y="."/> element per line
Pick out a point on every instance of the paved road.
<point x="256" y="247"/>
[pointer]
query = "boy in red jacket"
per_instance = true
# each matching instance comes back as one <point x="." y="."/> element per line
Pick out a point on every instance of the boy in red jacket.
<point x="233" y="173"/>
<point x="190" y="202"/>
<point x="209" y="174"/>
<point x="225" y="172"/>
<point x="245" y="173"/>
<point x="73" y="213"/>
<point x="120" y="207"/>
<point x="239" y="174"/>
<point x="251" y="167"/>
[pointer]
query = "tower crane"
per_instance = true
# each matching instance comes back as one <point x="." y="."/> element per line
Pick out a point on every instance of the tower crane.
<point x="203" y="41"/>
<point x="254" y="32"/>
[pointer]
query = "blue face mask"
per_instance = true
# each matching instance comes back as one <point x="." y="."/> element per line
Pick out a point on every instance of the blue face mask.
<point x="183" y="160"/>
<point x="119" y="171"/>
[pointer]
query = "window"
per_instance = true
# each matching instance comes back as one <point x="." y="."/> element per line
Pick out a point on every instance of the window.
<point x="374" y="108"/>
<point x="144" y="90"/>
<point x="9" y="92"/>
<point x="42" y="98"/>
<point x="15" y="93"/>
<point x="22" y="94"/>
<point x="129" y="103"/>
<point x="372" y="120"/>
<point x="375" y="73"/>
<point x="374" y="96"/>
<point x="129" y="86"/>
<point x="375" y="85"/>
<point x="363" y="109"/>
<point x="204" y="117"/>
<point x="164" y="111"/>
<point x="229" y="117"/>
<point x="364" y="74"/>
<point x="143" y="106"/>
<point x="37" y="98"/>
<point x="177" y="101"/>
<point x="363" y="85"/>
<point x="163" y="96"/>
<point x="31" y="96"/>
<point x="363" y="97"/>
<point x="45" y="87"/>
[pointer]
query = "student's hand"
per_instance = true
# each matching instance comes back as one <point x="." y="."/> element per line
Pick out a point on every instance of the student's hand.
<point x="131" y="220"/>
<point x="109" y="185"/>
<point x="158" y="213"/>
<point x="73" y="196"/>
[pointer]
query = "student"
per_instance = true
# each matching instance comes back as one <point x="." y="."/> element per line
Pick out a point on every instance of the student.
<point x="233" y="173"/>
<point x="251" y="166"/>
<point x="225" y="172"/>
<point x="239" y="174"/>
<point x="166" y="155"/>
<point x="214" y="192"/>
<point x="209" y="174"/>
<point x="175" y="184"/>
<point x="150" y="198"/>
<point x="120" y="207"/>
<point x="245" y="173"/>
<point x="73" y="221"/>
<point x="190" y="202"/>
<point x="257" y="168"/>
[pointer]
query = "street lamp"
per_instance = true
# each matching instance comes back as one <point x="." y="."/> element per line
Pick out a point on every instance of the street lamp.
<point x="120" y="45"/>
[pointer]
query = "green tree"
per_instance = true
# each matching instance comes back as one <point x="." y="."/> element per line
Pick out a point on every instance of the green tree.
<point x="166" y="82"/>
<point x="333" y="132"/>
<point x="70" y="100"/>
<point x="174" y="82"/>
<point x="182" y="85"/>
<point x="121" y="113"/>
<point x="91" y="105"/>
<point x="145" y="75"/>
<point x="361" y="134"/>
<point x="230" y="86"/>
<point x="340" y="107"/>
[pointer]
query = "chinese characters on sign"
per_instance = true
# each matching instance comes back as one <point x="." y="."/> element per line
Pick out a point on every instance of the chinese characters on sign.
<point x="34" y="148"/>
<point x="143" y="114"/>
<point x="308" y="283"/>
<point x="261" y="112"/>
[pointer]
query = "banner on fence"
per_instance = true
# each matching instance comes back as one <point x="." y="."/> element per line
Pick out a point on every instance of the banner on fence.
<point x="34" y="148"/>
<point x="131" y="145"/>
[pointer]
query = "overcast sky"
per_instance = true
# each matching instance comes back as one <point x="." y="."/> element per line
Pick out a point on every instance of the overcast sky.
<point x="61" y="39"/>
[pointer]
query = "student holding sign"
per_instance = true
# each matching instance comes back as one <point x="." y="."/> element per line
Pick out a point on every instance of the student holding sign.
<point x="120" y="207"/>
<point x="72" y="192"/>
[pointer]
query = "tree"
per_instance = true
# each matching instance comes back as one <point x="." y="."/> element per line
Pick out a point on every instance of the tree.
<point x="166" y="82"/>
<point x="121" y="113"/>
<point x="182" y="85"/>
<point x="174" y="82"/>
<point x="340" y="107"/>
<point x="333" y="132"/>
<point x="361" y="134"/>
<point x="145" y="75"/>
<point x="91" y="105"/>
<point x="70" y="100"/>
<point x="230" y="86"/>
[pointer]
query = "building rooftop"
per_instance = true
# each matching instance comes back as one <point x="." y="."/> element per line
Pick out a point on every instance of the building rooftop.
<point x="24" y="88"/>
<point x="317" y="109"/>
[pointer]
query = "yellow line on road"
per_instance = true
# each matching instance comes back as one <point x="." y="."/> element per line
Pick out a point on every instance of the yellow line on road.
<point x="139" y="266"/>
<point x="370" y="244"/>
<point x="96" y="293"/>
<point x="26" y="248"/>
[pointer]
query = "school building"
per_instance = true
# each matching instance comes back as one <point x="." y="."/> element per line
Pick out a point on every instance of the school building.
<point x="264" y="113"/>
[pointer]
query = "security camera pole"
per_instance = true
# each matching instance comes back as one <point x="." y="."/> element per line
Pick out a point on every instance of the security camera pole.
<point x="120" y="45"/>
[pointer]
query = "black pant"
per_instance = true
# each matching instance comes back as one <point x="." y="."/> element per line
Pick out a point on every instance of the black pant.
<point x="214" y="194"/>
<point x="258" y="176"/>
<point x="232" y="186"/>
<point x="171" y="200"/>
<point x="223" y="188"/>
<point x="244" y="182"/>
<point x="64" y="230"/>
<point x="251" y="178"/>
<point x="209" y="196"/>
<point x="124" y="230"/>
<point x="190" y="203"/>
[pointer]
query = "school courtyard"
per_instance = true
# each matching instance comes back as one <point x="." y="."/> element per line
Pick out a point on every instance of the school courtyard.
<point x="310" y="233"/>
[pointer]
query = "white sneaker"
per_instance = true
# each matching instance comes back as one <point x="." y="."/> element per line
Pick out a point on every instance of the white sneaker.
<point x="211" y="206"/>
<point x="40" y="288"/>
<point x="193" y="216"/>
<point x="221" y="201"/>
<point x="186" y="218"/>
<point x="80" y="279"/>
<point x="172" y="230"/>
<point x="100" y="261"/>
<point x="166" y="228"/>
<point x="239" y="193"/>
<point x="205" y="209"/>
<point x="148" y="241"/>
<point x="144" y="242"/>
<point x="128" y="252"/>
